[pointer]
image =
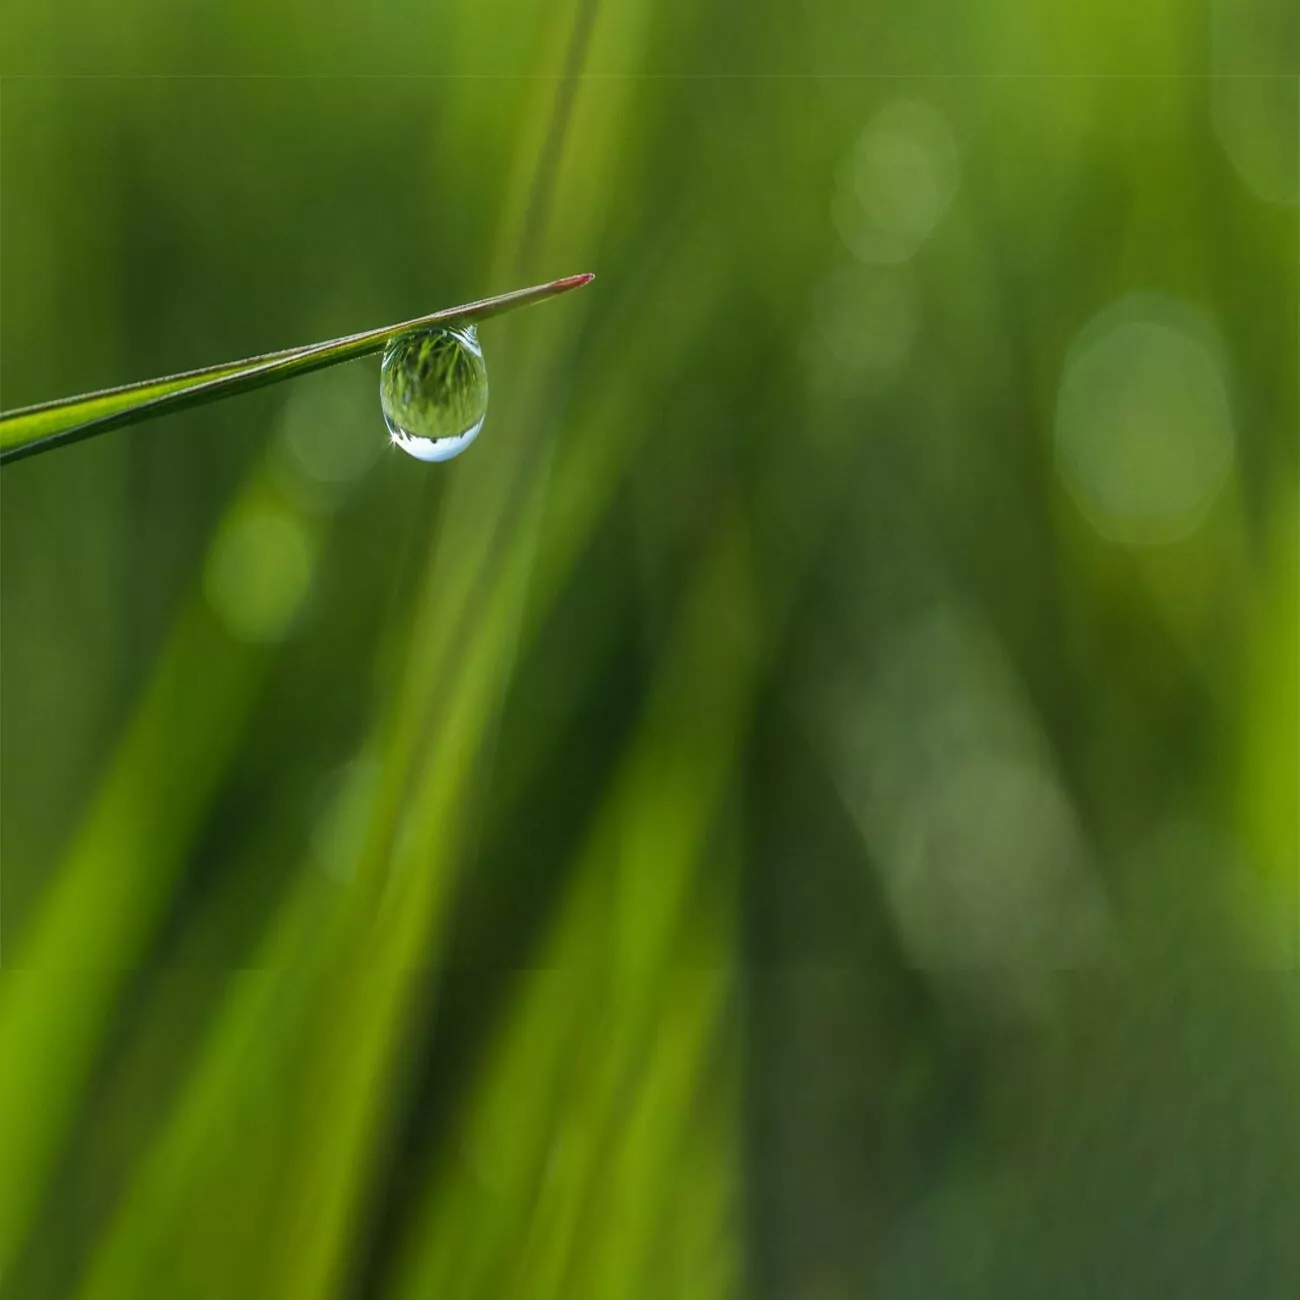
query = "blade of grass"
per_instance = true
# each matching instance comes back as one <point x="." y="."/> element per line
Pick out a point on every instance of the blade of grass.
<point x="366" y="1005"/>
<point x="40" y="428"/>
<point x="587" y="1011"/>
<point x="98" y="915"/>
<point x="467" y="620"/>
<point x="359" y="1038"/>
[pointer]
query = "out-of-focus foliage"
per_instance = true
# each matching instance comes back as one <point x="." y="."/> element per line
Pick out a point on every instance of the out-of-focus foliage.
<point x="806" y="806"/>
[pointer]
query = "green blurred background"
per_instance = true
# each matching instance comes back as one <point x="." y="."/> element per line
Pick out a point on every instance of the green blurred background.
<point x="806" y="806"/>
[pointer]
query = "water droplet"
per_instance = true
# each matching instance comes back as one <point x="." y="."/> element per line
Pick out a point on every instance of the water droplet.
<point x="433" y="389"/>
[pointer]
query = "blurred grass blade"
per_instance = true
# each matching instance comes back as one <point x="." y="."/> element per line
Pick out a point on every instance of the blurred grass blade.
<point x="40" y="428"/>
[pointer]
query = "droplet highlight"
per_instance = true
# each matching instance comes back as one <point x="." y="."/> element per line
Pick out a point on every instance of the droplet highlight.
<point x="433" y="390"/>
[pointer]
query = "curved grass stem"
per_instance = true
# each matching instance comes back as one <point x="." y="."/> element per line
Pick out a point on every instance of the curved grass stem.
<point x="41" y="428"/>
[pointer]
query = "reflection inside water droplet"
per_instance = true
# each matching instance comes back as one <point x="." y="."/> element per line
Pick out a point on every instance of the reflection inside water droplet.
<point x="433" y="390"/>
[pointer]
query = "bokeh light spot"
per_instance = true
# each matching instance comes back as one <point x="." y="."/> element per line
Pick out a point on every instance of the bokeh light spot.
<point x="329" y="437"/>
<point x="896" y="183"/>
<point x="864" y="320"/>
<point x="258" y="572"/>
<point x="338" y="836"/>
<point x="1256" y="45"/>
<point x="1258" y="125"/>
<point x="1144" y="429"/>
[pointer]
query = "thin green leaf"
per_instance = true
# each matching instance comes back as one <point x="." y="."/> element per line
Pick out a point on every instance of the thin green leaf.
<point x="40" y="428"/>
